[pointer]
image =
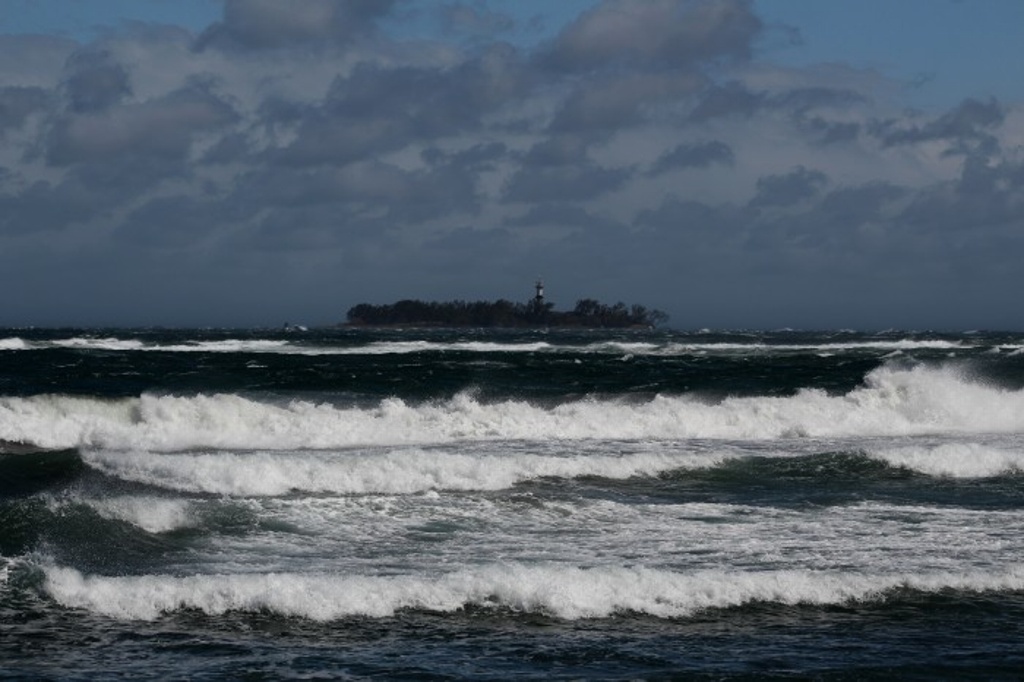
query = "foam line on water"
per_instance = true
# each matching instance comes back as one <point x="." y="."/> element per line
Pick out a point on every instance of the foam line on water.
<point x="563" y="591"/>
<point x="658" y="348"/>
<point x="677" y="348"/>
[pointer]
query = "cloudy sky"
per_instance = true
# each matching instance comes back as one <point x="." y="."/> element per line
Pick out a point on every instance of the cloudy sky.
<point x="735" y="163"/>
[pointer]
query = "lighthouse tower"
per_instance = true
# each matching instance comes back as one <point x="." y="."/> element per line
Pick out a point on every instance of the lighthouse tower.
<point x="537" y="307"/>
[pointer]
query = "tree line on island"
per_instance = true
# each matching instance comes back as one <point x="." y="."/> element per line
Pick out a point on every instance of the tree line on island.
<point x="503" y="313"/>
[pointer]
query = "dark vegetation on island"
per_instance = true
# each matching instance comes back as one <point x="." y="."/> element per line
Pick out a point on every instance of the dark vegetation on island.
<point x="503" y="313"/>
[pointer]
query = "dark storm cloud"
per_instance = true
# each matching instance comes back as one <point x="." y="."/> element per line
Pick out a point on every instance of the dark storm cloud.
<point x="693" y="224"/>
<point x="177" y="222"/>
<point x="803" y="100"/>
<point x="985" y="198"/>
<point x="298" y="228"/>
<point x="856" y="206"/>
<point x="643" y="151"/>
<point x="96" y="82"/>
<point x="791" y="188"/>
<point x="393" y="195"/>
<point x="268" y="24"/>
<point x="970" y="121"/>
<point x="731" y="99"/>
<point x="376" y="109"/>
<point x="558" y="169"/>
<point x="638" y="54"/>
<point x="693" y="156"/>
<point x="465" y="251"/>
<point x="568" y="238"/>
<point x="478" y="157"/>
<point x="609" y="104"/>
<point x="85" y="192"/>
<point x="43" y="208"/>
<point x="564" y="215"/>
<point x="849" y="229"/>
<point x="577" y="182"/>
<point x="231" y="148"/>
<point x="660" y="33"/>
<point x="557" y="150"/>
<point x="408" y="196"/>
<point x="33" y="59"/>
<point x="825" y="131"/>
<point x="17" y="103"/>
<point x="736" y="100"/>
<point x="162" y="127"/>
<point x="474" y="21"/>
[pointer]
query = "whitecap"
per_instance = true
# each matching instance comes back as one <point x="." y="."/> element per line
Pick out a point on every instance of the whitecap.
<point x="563" y="591"/>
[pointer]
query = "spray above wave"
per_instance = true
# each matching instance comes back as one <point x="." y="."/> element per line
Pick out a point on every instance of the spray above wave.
<point x="557" y="590"/>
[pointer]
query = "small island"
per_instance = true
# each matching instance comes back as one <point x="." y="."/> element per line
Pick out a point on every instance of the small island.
<point x="537" y="312"/>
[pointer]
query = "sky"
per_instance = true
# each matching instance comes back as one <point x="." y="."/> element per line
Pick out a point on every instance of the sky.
<point x="854" y="164"/>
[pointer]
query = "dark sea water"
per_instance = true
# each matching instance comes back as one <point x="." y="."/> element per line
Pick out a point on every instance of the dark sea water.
<point x="410" y="504"/>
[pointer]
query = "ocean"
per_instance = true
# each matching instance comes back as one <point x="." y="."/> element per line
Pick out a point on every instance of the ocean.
<point x="492" y="504"/>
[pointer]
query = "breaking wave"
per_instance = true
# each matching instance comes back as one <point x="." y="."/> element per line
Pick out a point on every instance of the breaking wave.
<point x="13" y="343"/>
<point x="954" y="460"/>
<point x="395" y="472"/>
<point x="153" y="515"/>
<point x="893" y="401"/>
<point x="562" y="591"/>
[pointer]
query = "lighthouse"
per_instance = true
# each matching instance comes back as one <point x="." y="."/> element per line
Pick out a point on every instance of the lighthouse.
<point x="537" y="307"/>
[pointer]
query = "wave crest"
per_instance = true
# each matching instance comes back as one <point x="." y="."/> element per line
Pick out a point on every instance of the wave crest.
<point x="954" y="460"/>
<point x="893" y="401"/>
<point x="396" y="472"/>
<point x="562" y="591"/>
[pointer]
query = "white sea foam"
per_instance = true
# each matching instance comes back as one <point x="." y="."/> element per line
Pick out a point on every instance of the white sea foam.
<point x="562" y="591"/>
<point x="109" y="343"/>
<point x="117" y="344"/>
<point x="13" y="343"/>
<point x="682" y="348"/>
<point x="395" y="472"/>
<point x="954" y="460"/>
<point x="658" y="348"/>
<point x="437" y="531"/>
<point x="281" y="346"/>
<point x="154" y="515"/>
<point x="893" y="402"/>
<point x="225" y="346"/>
<point x="52" y="422"/>
<point x="409" y="347"/>
<point x="398" y="347"/>
<point x="670" y="348"/>
<point x="400" y="471"/>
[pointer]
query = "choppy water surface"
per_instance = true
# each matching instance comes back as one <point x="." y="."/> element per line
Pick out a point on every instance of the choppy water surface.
<point x="479" y="504"/>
